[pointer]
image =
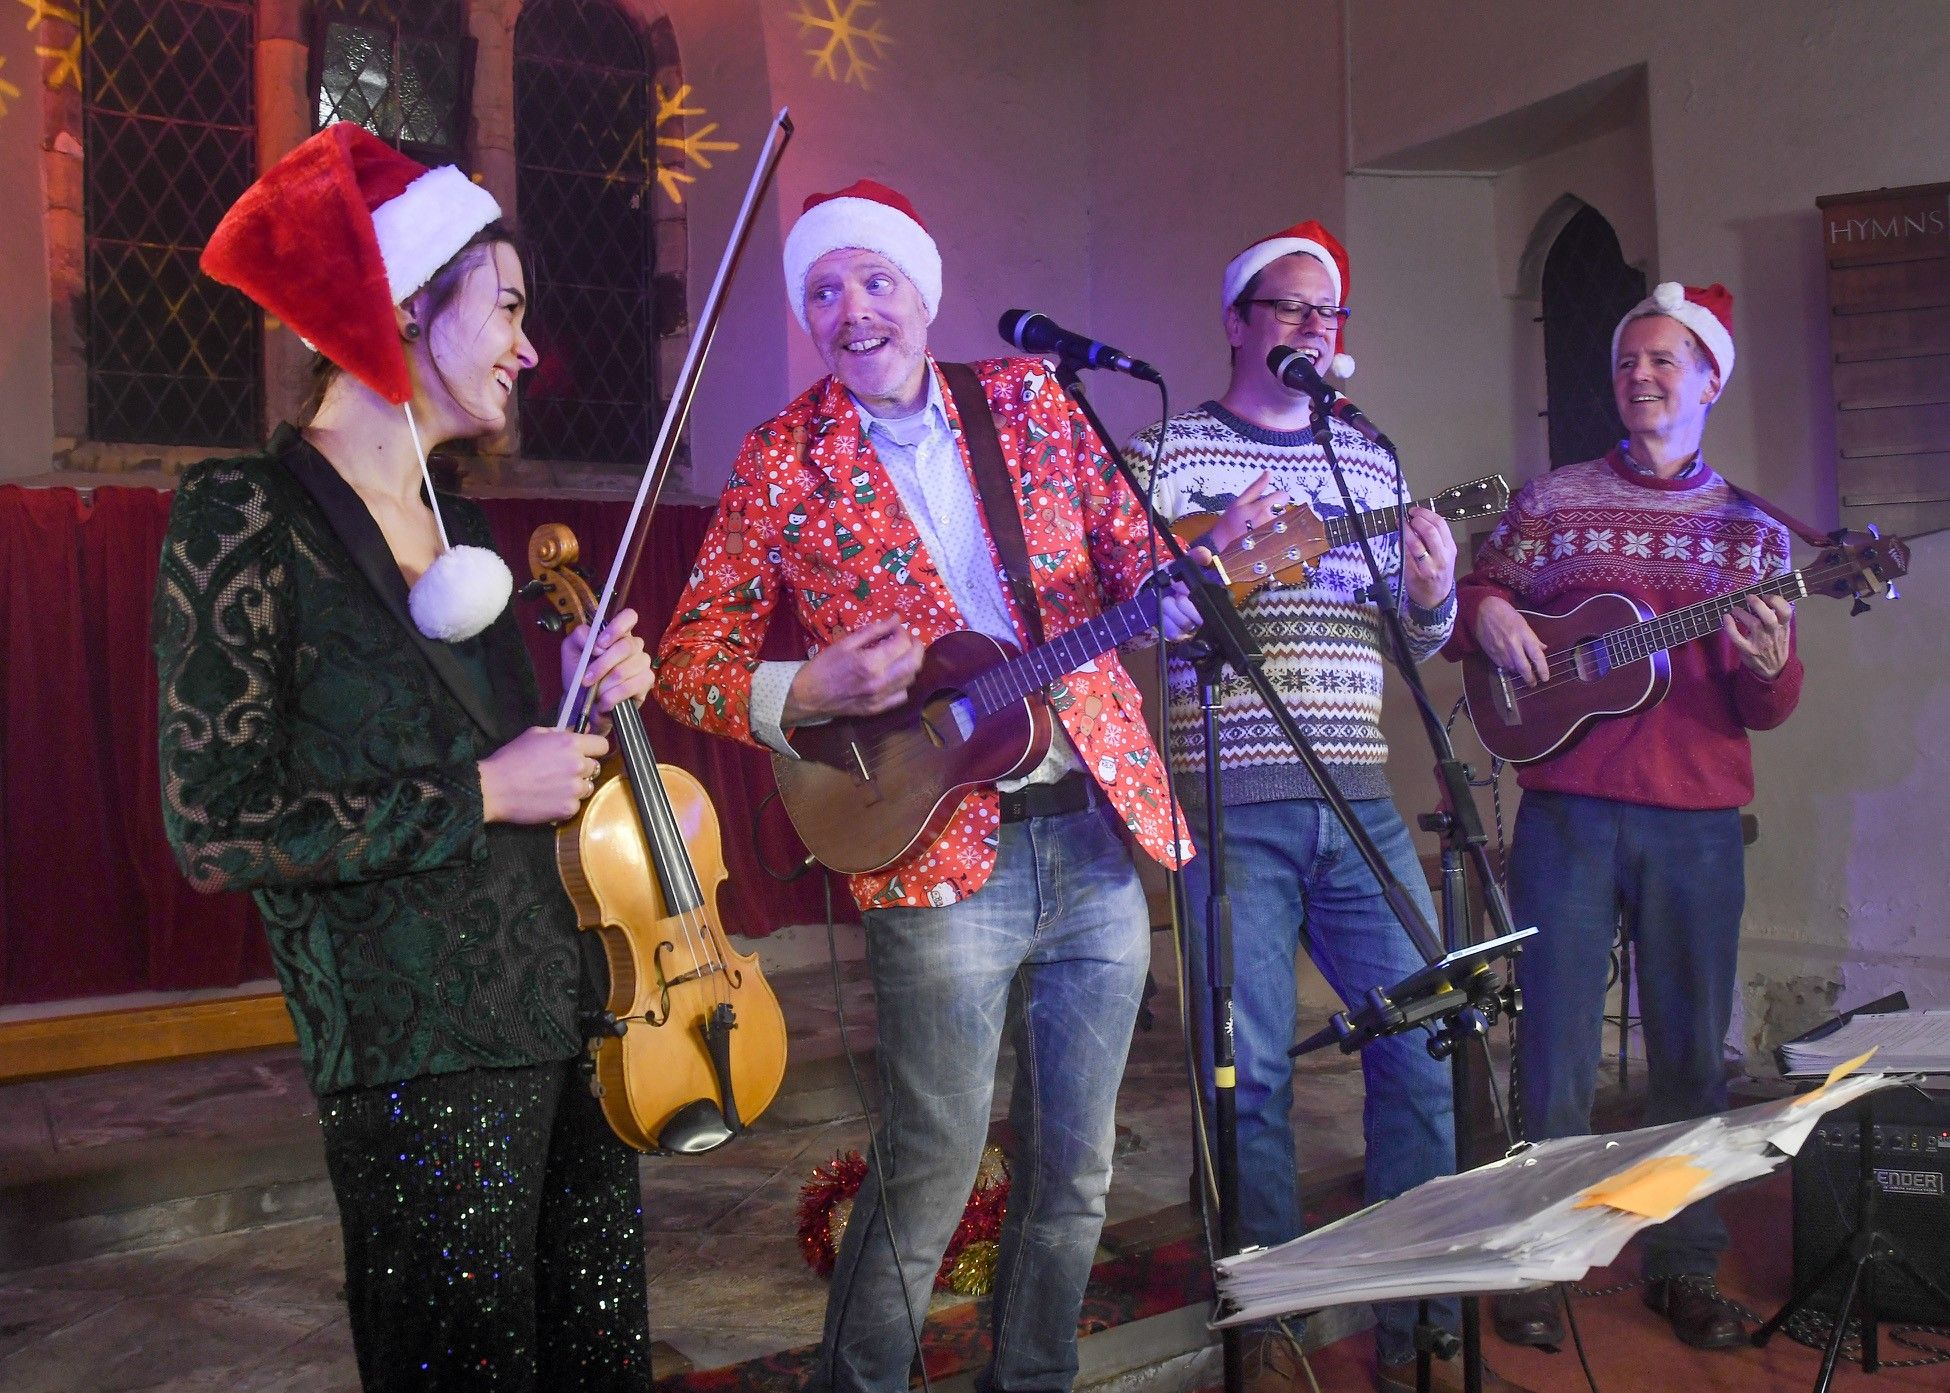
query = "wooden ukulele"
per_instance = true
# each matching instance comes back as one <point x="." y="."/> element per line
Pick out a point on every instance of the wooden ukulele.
<point x="867" y="790"/>
<point x="1607" y="655"/>
<point x="1286" y="548"/>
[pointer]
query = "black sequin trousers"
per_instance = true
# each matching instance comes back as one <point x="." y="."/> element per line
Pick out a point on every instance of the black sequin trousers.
<point x="493" y="1234"/>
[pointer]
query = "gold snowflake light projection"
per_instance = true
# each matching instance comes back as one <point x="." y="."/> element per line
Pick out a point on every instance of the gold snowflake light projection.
<point x="843" y="55"/>
<point x="694" y="147"/>
<point x="66" y="69"/>
<point x="8" y="92"/>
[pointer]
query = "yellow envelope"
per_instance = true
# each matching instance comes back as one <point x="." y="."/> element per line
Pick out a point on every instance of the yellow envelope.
<point x="1657" y="1188"/>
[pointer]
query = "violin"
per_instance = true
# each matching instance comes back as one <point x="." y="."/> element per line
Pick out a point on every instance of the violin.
<point x="690" y="1045"/>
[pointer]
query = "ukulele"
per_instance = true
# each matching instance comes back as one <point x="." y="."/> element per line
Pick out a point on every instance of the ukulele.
<point x="1287" y="548"/>
<point x="867" y="790"/>
<point x="1607" y="655"/>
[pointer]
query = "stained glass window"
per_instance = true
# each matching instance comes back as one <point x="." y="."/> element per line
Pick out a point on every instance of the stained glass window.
<point x="1587" y="288"/>
<point x="169" y="127"/>
<point x="586" y="161"/>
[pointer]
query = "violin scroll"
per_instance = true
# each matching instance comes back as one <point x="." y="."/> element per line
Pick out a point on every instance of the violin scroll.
<point x="552" y="555"/>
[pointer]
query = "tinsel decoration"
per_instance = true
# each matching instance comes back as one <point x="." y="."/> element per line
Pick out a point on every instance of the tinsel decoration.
<point x="967" y="1267"/>
<point x="973" y="1273"/>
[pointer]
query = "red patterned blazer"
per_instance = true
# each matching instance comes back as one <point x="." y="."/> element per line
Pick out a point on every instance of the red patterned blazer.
<point x="810" y="512"/>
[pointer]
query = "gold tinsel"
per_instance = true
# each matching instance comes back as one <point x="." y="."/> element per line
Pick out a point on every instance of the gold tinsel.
<point x="842" y="1211"/>
<point x="993" y="1170"/>
<point x="974" y="1271"/>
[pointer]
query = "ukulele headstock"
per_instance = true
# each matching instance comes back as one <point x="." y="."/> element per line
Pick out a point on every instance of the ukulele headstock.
<point x="1861" y="566"/>
<point x="1479" y="498"/>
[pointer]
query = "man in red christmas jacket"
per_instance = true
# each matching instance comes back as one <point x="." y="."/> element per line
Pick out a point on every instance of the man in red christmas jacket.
<point x="1640" y="816"/>
<point x="857" y="507"/>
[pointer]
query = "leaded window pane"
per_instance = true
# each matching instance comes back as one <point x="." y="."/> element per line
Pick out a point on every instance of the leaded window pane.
<point x="399" y="69"/>
<point x="169" y="130"/>
<point x="586" y="161"/>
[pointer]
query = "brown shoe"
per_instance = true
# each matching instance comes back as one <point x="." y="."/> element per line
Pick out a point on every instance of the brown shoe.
<point x="1700" y="1316"/>
<point x="1534" y="1317"/>
<point x="1445" y="1376"/>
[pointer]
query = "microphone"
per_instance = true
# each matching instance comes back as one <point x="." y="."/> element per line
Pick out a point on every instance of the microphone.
<point x="1291" y="366"/>
<point x="1038" y="333"/>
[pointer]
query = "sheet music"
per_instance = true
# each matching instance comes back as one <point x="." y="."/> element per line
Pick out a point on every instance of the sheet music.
<point x="1547" y="1214"/>
<point x="1904" y="1042"/>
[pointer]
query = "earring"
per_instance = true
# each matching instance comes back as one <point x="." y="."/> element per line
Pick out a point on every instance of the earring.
<point x="411" y="331"/>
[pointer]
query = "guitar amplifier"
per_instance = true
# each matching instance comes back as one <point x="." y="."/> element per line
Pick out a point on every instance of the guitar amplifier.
<point x="1909" y="1155"/>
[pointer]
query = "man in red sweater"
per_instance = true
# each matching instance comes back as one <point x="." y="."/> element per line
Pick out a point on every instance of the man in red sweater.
<point x="1639" y="818"/>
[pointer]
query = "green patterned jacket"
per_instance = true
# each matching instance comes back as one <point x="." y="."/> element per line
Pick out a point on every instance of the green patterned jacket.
<point x="320" y="753"/>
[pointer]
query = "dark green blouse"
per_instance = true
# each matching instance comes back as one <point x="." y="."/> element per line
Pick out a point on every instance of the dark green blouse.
<point x="319" y="752"/>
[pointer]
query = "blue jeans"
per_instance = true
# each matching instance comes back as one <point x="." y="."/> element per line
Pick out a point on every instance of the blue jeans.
<point x="1062" y="926"/>
<point x="1576" y="866"/>
<point x="1294" y="878"/>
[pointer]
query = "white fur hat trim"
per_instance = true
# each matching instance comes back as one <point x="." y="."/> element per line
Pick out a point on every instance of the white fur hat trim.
<point x="423" y="225"/>
<point x="872" y="226"/>
<point x="460" y="594"/>
<point x="1250" y="262"/>
<point x="1341" y="366"/>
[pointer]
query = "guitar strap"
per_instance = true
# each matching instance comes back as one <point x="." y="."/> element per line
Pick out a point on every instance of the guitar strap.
<point x="1787" y="520"/>
<point x="996" y="492"/>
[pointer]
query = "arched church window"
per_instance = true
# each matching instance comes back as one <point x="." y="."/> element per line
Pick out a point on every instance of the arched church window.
<point x="586" y="160"/>
<point x="170" y="135"/>
<point x="1587" y="287"/>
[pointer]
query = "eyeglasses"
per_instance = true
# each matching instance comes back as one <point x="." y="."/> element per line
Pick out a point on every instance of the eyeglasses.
<point x="1297" y="311"/>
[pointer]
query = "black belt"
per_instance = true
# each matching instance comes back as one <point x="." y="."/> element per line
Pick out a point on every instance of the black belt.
<point x="1069" y="794"/>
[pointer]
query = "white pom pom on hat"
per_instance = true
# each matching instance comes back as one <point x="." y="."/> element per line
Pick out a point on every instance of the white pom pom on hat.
<point x="460" y="594"/>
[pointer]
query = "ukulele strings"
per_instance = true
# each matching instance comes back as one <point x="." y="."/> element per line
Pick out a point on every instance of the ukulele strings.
<point x="1562" y="666"/>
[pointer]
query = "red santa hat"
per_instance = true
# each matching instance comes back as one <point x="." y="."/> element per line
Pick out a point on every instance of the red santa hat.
<point x="871" y="217"/>
<point x="1706" y="310"/>
<point x="332" y="238"/>
<point x="1310" y="239"/>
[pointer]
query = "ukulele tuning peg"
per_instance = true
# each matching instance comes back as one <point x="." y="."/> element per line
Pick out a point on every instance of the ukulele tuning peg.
<point x="1890" y="592"/>
<point x="1861" y="606"/>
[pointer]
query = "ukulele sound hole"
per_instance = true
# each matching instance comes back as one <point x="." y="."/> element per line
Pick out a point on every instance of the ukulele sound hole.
<point x="948" y="720"/>
<point x="1592" y="658"/>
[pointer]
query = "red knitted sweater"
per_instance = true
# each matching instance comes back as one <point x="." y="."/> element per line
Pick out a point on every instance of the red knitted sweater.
<point x="1602" y="526"/>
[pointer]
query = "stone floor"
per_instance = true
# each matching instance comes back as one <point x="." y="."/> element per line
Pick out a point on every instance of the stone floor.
<point x="169" y="1227"/>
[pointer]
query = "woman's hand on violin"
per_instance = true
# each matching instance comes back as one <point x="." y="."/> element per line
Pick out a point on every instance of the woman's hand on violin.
<point x="542" y="775"/>
<point x="621" y="667"/>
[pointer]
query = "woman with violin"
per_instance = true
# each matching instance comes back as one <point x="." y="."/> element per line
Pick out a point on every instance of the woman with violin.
<point x="347" y="731"/>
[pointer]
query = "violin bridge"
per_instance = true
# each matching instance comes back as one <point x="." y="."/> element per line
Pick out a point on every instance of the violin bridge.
<point x="701" y="971"/>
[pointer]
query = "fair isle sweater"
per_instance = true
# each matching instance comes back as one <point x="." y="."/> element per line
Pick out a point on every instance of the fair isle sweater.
<point x="1601" y="526"/>
<point x="1322" y="639"/>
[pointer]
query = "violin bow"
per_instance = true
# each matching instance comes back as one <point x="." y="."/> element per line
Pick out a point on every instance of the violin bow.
<point x="622" y="571"/>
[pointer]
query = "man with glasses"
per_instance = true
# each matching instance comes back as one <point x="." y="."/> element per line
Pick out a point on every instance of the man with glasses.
<point x="1294" y="878"/>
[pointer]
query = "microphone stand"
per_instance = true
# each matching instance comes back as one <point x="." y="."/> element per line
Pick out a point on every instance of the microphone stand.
<point x="1460" y="826"/>
<point x="1438" y="994"/>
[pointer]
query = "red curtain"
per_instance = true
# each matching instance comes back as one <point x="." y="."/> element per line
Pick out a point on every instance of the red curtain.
<point x="91" y="902"/>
